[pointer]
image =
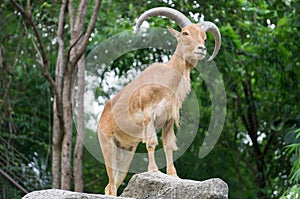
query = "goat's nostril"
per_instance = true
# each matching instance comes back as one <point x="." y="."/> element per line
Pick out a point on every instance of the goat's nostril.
<point x="201" y="48"/>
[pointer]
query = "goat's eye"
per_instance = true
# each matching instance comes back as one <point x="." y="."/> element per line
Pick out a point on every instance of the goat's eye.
<point x="185" y="33"/>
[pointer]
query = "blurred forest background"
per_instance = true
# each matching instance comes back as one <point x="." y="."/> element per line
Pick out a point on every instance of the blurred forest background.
<point x="258" y="153"/>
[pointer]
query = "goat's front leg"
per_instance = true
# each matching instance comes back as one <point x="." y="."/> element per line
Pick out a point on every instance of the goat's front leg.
<point x="151" y="143"/>
<point x="169" y="143"/>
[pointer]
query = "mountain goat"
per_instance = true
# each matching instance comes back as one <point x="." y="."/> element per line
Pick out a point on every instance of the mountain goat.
<point x="152" y="101"/>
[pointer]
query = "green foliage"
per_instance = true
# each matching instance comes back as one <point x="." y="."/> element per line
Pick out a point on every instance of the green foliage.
<point x="260" y="51"/>
<point x="256" y="53"/>
<point x="293" y="192"/>
<point x="293" y="150"/>
<point x="25" y="101"/>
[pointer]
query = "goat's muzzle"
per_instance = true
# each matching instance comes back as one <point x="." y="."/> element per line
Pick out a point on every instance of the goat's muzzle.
<point x="200" y="52"/>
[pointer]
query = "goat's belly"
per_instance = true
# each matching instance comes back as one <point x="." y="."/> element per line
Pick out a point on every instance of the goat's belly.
<point x="155" y="114"/>
<point x="139" y="120"/>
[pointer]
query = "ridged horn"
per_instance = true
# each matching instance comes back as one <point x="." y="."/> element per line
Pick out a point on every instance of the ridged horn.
<point x="208" y="26"/>
<point x="170" y="13"/>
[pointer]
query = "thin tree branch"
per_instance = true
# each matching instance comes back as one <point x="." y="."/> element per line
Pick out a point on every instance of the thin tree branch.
<point x="72" y="17"/>
<point x="77" y="27"/>
<point x="234" y="120"/>
<point x="60" y="56"/>
<point x="40" y="43"/>
<point x="72" y="47"/>
<point x="29" y="8"/>
<point x="81" y="13"/>
<point x="235" y="136"/>
<point x="15" y="183"/>
<point x="269" y="142"/>
<point x="253" y="129"/>
<point x="254" y="117"/>
<point x="88" y="33"/>
<point x="242" y="113"/>
<point x="35" y="29"/>
<point x="17" y="52"/>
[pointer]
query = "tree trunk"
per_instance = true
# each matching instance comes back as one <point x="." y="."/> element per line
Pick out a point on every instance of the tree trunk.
<point x="68" y="130"/>
<point x="78" y="179"/>
<point x="63" y="86"/>
<point x="250" y="120"/>
<point x="58" y="124"/>
<point x="75" y="52"/>
<point x="56" y="150"/>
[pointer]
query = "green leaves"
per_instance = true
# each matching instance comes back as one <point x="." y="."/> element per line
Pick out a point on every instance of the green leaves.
<point x="252" y="53"/>
<point x="282" y="22"/>
<point x="229" y="34"/>
<point x="293" y="192"/>
<point x="293" y="150"/>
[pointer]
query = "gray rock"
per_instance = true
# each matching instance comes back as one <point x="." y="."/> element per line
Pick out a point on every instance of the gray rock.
<point x="156" y="185"/>
<point x="62" y="194"/>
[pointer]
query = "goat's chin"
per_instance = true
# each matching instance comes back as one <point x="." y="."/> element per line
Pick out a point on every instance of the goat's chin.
<point x="199" y="56"/>
<point x="194" y="58"/>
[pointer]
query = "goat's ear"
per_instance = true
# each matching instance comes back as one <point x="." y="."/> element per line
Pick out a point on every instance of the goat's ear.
<point x="174" y="32"/>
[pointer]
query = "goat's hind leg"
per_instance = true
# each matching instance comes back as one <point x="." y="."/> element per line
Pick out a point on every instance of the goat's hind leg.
<point x="117" y="172"/>
<point x="109" y="154"/>
<point x="117" y="162"/>
<point x="124" y="159"/>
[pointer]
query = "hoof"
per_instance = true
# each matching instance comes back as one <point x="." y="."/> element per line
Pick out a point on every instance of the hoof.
<point x="173" y="174"/>
<point x="153" y="170"/>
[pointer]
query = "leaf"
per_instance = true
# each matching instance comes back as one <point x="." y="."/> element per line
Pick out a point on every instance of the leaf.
<point x="283" y="49"/>
<point x="46" y="5"/>
<point x="297" y="131"/>
<point x="283" y="21"/>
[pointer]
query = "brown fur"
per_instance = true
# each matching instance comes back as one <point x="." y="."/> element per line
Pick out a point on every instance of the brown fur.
<point x="150" y="102"/>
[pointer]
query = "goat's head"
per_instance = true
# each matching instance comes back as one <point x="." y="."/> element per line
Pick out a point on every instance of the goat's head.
<point x="192" y="36"/>
<point x="191" y="40"/>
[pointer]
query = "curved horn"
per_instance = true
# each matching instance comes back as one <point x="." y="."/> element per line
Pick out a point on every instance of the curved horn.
<point x="208" y="26"/>
<point x="173" y="14"/>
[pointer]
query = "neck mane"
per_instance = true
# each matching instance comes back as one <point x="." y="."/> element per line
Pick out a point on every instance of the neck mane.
<point x="183" y="67"/>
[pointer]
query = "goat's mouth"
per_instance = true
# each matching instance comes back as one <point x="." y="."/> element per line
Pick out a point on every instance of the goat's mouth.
<point x="199" y="55"/>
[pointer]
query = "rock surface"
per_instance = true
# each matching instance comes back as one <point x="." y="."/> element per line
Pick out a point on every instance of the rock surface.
<point x="156" y="185"/>
<point x="62" y="194"/>
<point x="149" y="185"/>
